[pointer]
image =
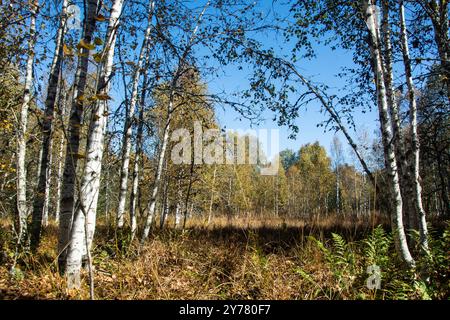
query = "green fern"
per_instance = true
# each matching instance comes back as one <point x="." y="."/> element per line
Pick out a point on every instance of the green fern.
<point x="320" y="245"/>
<point x="376" y="247"/>
<point x="340" y="250"/>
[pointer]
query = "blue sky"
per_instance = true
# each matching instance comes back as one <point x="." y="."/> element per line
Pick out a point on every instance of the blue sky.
<point x="322" y="69"/>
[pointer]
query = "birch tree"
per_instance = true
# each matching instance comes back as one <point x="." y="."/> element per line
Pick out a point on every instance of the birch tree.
<point x="21" y="184"/>
<point x="161" y="158"/>
<point x="414" y="134"/>
<point x="83" y="226"/>
<point x="126" y="144"/>
<point x="73" y="135"/>
<point x="166" y="201"/>
<point x="409" y="211"/>
<point x="138" y="153"/>
<point x="62" y="114"/>
<point x="181" y="67"/>
<point x="344" y="20"/>
<point x="389" y="152"/>
<point x="211" y="201"/>
<point x="337" y="153"/>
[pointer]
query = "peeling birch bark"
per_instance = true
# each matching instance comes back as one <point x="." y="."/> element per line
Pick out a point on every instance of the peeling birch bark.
<point x="126" y="144"/>
<point x="414" y="134"/>
<point x="389" y="151"/>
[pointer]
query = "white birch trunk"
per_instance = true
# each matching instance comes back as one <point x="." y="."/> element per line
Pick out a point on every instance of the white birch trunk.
<point x="21" y="184"/>
<point x="389" y="151"/>
<point x="177" y="73"/>
<point x="138" y="152"/>
<point x="337" y="190"/>
<point x="73" y="136"/>
<point x="62" y="114"/>
<point x="165" y="202"/>
<point x="188" y="194"/>
<point x="127" y="132"/>
<point x="161" y="159"/>
<point x="401" y="155"/>
<point x="414" y="134"/>
<point x="211" y="201"/>
<point x="178" y="216"/>
<point x="58" y="180"/>
<point x="166" y="206"/>
<point x="47" y="185"/>
<point x="85" y="215"/>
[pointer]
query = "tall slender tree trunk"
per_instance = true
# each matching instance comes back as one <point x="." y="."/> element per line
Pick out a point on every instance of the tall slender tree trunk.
<point x="178" y="215"/>
<point x="211" y="201"/>
<point x="389" y="150"/>
<point x="409" y="211"/>
<point x="443" y="186"/>
<point x="59" y="176"/>
<point x="83" y="227"/>
<point x="41" y="200"/>
<point x="47" y="185"/>
<point x="414" y="134"/>
<point x="188" y="193"/>
<point x="337" y="190"/>
<point x="127" y="132"/>
<point x="180" y="68"/>
<point x="166" y="203"/>
<point x="21" y="182"/>
<point x="73" y="138"/>
<point x="137" y="157"/>
<point x="162" y="154"/>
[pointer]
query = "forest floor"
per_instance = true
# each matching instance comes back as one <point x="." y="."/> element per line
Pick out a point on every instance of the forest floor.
<point x="275" y="259"/>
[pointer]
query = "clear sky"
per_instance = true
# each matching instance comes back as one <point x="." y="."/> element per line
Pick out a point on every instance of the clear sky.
<point x="322" y="69"/>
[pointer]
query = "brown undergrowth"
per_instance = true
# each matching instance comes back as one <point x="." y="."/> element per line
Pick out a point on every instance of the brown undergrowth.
<point x="247" y="259"/>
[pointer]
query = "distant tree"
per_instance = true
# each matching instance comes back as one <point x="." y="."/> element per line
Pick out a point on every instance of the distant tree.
<point x="288" y="158"/>
<point x="316" y="178"/>
<point x="434" y="131"/>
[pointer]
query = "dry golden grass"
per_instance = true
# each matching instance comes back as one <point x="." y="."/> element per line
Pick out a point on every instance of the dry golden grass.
<point x="249" y="259"/>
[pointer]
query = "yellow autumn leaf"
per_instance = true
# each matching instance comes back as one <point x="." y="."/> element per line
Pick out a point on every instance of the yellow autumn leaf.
<point x="98" y="41"/>
<point x="100" y="18"/>
<point x="102" y="97"/>
<point x="67" y="50"/>
<point x="78" y="155"/>
<point x="85" y="45"/>
<point x="81" y="98"/>
<point x="97" y="57"/>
